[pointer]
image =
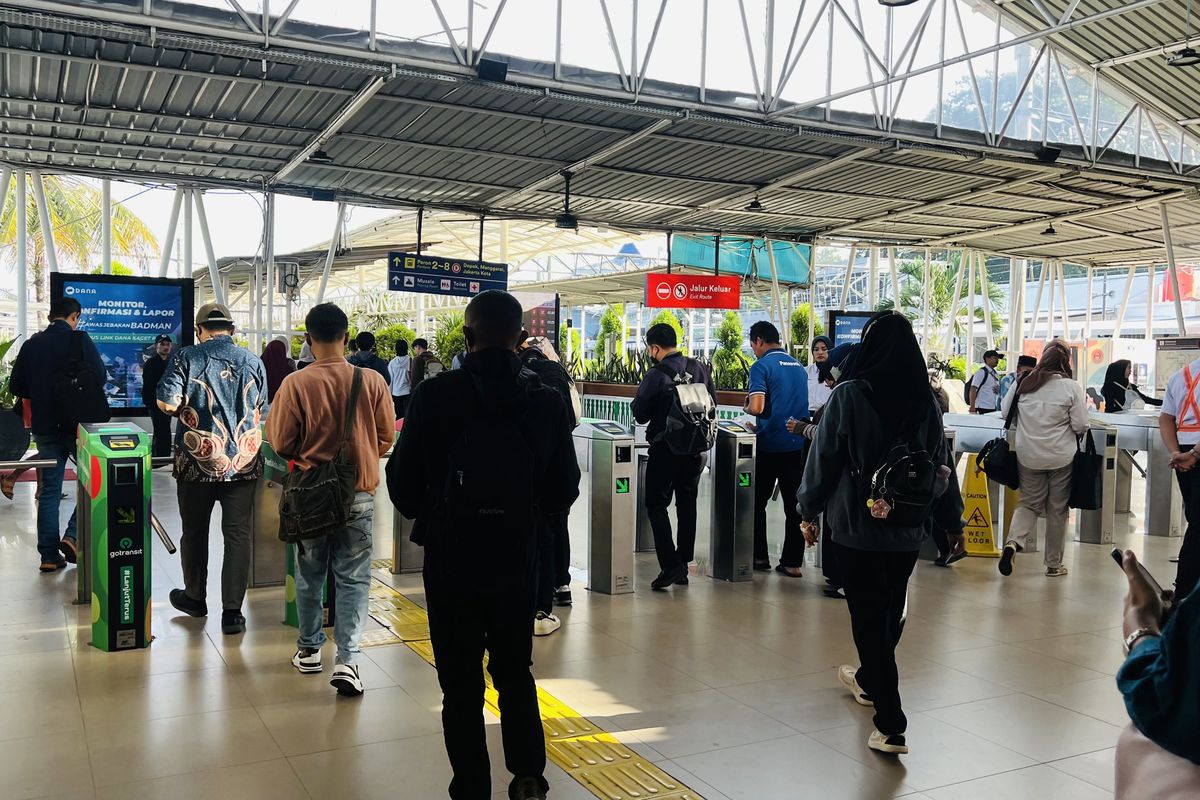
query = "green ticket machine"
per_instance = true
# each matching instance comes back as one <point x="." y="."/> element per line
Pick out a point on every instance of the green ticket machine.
<point x="113" y="516"/>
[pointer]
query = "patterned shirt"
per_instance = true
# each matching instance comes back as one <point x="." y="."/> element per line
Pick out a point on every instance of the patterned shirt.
<point x="221" y="389"/>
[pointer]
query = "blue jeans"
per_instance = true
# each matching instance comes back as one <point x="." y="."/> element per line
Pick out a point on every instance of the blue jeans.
<point x="347" y="553"/>
<point x="48" y="502"/>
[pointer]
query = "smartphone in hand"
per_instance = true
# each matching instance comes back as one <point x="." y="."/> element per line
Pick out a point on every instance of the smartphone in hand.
<point x="1119" y="556"/>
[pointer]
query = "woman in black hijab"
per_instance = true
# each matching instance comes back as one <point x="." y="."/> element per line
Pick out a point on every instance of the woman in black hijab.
<point x="1117" y="387"/>
<point x="885" y="397"/>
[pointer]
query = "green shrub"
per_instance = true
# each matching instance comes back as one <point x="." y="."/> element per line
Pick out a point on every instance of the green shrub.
<point x="448" y="338"/>
<point x="800" y="337"/>
<point x="387" y="338"/>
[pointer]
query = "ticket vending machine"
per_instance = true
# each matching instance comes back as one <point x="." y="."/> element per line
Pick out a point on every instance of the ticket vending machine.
<point x="605" y="450"/>
<point x="113" y="518"/>
<point x="731" y="546"/>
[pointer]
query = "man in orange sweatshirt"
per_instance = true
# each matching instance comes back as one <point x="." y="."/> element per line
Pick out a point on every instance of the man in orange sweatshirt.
<point x="307" y="423"/>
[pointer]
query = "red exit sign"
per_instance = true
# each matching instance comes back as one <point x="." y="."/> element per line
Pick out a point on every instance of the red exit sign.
<point x="693" y="291"/>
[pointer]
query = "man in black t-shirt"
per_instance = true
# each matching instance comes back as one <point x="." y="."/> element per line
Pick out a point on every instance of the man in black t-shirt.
<point x="152" y="372"/>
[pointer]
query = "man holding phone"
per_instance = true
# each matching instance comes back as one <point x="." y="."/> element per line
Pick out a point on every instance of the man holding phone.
<point x="1179" y="426"/>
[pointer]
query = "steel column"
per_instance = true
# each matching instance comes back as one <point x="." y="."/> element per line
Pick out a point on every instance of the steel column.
<point x="1124" y="302"/>
<point x="895" y="272"/>
<point x="1172" y="270"/>
<point x="873" y="288"/>
<point x="214" y="275"/>
<point x="47" y="230"/>
<point x="333" y="245"/>
<point x="925" y="303"/>
<point x="187" y="234"/>
<point x="1037" y="303"/>
<point x="106" y="226"/>
<point x="958" y="283"/>
<point x="269" y="242"/>
<point x="970" y="314"/>
<point x="168" y="242"/>
<point x="22" y="257"/>
<point x="1150" y="303"/>
<point x="849" y="276"/>
<point x="1087" y="317"/>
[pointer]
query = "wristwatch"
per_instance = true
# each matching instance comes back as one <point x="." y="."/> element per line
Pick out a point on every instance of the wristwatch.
<point x="1132" y="638"/>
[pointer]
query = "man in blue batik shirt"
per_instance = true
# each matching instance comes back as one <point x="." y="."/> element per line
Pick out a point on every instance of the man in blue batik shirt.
<point x="778" y="391"/>
<point x="218" y="391"/>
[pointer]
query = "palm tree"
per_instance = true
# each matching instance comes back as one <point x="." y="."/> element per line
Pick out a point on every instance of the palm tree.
<point x="942" y="280"/>
<point x="74" y="208"/>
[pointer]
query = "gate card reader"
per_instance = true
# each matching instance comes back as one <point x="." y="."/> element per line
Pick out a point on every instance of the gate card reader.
<point x="731" y="545"/>
<point x="113" y="465"/>
<point x="606" y="453"/>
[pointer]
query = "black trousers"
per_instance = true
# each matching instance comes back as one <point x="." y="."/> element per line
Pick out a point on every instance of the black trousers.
<point x="830" y="567"/>
<point x="162" y="442"/>
<point x="942" y="541"/>
<point x="786" y="469"/>
<point x="467" y="618"/>
<point x="1189" y="555"/>
<point x="401" y="404"/>
<point x="667" y="474"/>
<point x="876" y="589"/>
<point x="196" y="502"/>
<point x="554" y="558"/>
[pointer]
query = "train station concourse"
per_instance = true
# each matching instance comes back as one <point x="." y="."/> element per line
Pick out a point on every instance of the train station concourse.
<point x="857" y="340"/>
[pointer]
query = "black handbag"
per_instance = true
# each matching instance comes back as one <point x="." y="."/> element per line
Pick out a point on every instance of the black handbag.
<point x="1087" y="477"/>
<point x="997" y="459"/>
<point x="316" y="502"/>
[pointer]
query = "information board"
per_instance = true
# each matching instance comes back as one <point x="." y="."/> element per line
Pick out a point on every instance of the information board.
<point x="123" y="315"/>
<point x="1171" y="356"/>
<point x="408" y="272"/>
<point x="846" y="327"/>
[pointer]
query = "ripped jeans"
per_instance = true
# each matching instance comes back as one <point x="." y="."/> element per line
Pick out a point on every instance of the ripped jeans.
<point x="346" y="555"/>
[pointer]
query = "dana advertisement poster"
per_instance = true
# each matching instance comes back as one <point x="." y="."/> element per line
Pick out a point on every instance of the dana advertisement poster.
<point x="124" y="315"/>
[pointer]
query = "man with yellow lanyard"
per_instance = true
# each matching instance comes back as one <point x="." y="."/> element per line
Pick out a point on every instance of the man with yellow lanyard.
<point x="1179" y="424"/>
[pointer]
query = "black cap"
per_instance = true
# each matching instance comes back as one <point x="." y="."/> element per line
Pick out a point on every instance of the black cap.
<point x="162" y="337"/>
<point x="1026" y="361"/>
<point x="991" y="354"/>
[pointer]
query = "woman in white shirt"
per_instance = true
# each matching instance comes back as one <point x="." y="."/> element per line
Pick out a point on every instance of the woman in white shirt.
<point x="399" y="368"/>
<point x="1051" y="416"/>
<point x="820" y="383"/>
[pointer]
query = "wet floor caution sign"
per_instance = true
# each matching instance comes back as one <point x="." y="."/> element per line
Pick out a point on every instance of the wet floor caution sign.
<point x="977" y="513"/>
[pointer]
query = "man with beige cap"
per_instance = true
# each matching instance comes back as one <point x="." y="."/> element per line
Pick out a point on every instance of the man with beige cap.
<point x="218" y="391"/>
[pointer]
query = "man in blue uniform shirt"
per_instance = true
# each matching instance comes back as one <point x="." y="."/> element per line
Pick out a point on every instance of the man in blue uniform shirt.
<point x="778" y="391"/>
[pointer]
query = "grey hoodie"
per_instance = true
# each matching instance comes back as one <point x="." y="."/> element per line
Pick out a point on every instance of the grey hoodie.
<point x="851" y="436"/>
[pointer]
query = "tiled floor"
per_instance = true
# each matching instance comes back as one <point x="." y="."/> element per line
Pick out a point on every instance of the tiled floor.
<point x="729" y="687"/>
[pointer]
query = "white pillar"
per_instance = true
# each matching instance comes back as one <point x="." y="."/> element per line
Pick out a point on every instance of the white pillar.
<point x="1062" y="291"/>
<point x="1053" y="302"/>
<point x="187" y="235"/>
<point x="1124" y="302"/>
<point x="925" y="343"/>
<point x="1150" y="303"/>
<point x="39" y="196"/>
<point x="106" y="226"/>
<point x="985" y="302"/>
<point x="873" y="288"/>
<point x="269" y="238"/>
<point x="169" y="241"/>
<point x="214" y="275"/>
<point x="849" y="275"/>
<point x="1037" y="303"/>
<point x="954" y="303"/>
<point x="333" y="245"/>
<point x="970" y="313"/>
<point x="22" y="258"/>
<point x="1087" y="317"/>
<point x="892" y="267"/>
<point x="1173" y="270"/>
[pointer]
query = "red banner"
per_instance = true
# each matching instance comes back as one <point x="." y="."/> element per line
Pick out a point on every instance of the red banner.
<point x="693" y="291"/>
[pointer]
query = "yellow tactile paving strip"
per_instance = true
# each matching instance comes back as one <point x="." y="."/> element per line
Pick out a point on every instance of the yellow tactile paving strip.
<point x="584" y="750"/>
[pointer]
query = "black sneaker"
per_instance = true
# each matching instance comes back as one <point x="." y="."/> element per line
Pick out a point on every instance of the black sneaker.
<point x="959" y="556"/>
<point x="528" y="789"/>
<point x="345" y="679"/>
<point x="232" y="621"/>
<point x="682" y="581"/>
<point x="1006" y="560"/>
<point x="193" y="608"/>
<point x="668" y="577"/>
<point x="69" y="551"/>
<point x="941" y="561"/>
<point x="562" y="596"/>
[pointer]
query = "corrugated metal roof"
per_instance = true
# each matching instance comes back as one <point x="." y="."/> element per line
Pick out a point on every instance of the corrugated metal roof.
<point x="101" y="98"/>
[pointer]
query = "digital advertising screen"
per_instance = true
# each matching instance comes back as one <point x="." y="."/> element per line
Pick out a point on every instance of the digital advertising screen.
<point x="123" y="316"/>
<point x="846" y="327"/>
<point x="540" y="314"/>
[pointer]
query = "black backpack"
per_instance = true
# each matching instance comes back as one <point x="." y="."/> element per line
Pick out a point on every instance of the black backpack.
<point x="553" y="376"/>
<point x="691" y="426"/>
<point x="78" y="391"/>
<point x="488" y="497"/>
<point x="904" y="484"/>
<point x="967" y="386"/>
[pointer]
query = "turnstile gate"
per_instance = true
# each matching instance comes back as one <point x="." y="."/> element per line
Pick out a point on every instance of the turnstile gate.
<point x="605" y="451"/>
<point x="731" y="543"/>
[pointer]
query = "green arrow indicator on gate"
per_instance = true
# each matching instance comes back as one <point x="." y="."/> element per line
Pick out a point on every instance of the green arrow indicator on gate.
<point x="743" y="479"/>
<point x="622" y="485"/>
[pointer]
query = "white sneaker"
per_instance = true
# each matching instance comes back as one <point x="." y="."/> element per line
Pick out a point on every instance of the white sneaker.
<point x="894" y="744"/>
<point x="847" y="677"/>
<point x="545" y="624"/>
<point x="307" y="660"/>
<point x="345" y="679"/>
<point x="1056" y="572"/>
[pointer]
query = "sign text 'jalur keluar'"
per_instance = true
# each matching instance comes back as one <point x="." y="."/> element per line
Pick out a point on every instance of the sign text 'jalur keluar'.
<point x="693" y="291"/>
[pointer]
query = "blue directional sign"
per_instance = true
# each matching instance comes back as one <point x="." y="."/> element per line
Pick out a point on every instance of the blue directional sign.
<point x="436" y="275"/>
